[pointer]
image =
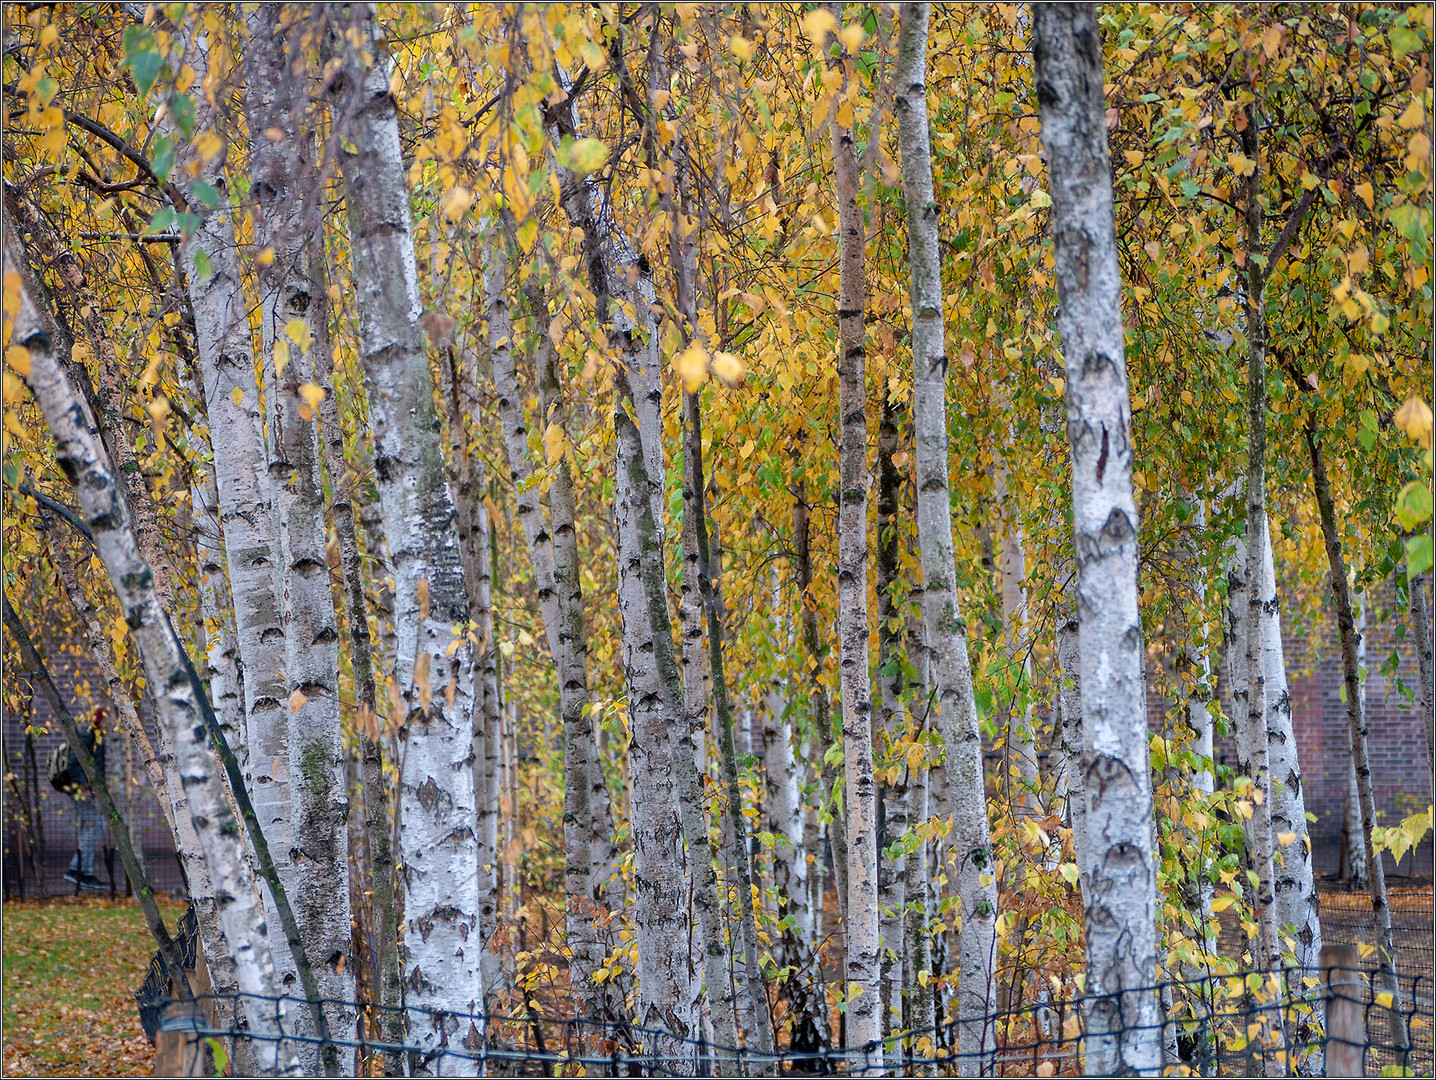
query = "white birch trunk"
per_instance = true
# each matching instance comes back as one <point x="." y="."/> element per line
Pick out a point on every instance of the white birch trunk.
<point x="920" y="1016"/>
<point x="820" y="722"/>
<point x="664" y="782"/>
<point x="1353" y="833"/>
<point x="567" y="638"/>
<point x="1123" y="1025"/>
<point x="164" y="777"/>
<point x="860" y="925"/>
<point x="783" y="803"/>
<point x="318" y="881"/>
<point x="1294" y="883"/>
<point x="231" y="398"/>
<point x="949" y="666"/>
<point x="103" y="508"/>
<point x="442" y="945"/>
<point x="487" y="716"/>
<point x="891" y="721"/>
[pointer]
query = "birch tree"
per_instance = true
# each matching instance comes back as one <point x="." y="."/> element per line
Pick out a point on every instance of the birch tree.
<point x="434" y="683"/>
<point x="209" y="254"/>
<point x="276" y="102"/>
<point x="949" y="666"/>
<point x="665" y="785"/>
<point x="860" y="939"/>
<point x="378" y="845"/>
<point x="104" y="510"/>
<point x="891" y="723"/>
<point x="553" y="555"/>
<point x="1122" y="1022"/>
<point x="1358" y="726"/>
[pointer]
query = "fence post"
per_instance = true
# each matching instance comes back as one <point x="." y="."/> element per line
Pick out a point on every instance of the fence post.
<point x="1346" y="999"/>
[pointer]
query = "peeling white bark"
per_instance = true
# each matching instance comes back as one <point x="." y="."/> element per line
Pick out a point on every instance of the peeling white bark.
<point x="102" y="506"/>
<point x="275" y="99"/>
<point x="861" y="941"/>
<point x="1123" y="1024"/>
<point x="568" y="637"/>
<point x="442" y="944"/>
<point x="949" y="665"/>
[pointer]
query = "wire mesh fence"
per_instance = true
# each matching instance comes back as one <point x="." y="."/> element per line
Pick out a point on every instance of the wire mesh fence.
<point x="1338" y="1021"/>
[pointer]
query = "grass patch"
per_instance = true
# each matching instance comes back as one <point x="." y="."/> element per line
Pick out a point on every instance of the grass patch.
<point x="71" y="969"/>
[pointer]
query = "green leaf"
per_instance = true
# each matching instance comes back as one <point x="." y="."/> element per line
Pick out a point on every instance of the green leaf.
<point x="202" y="267"/>
<point x="162" y="161"/>
<point x="583" y="156"/>
<point x="1366" y="434"/>
<point x="1404" y="41"/>
<point x="206" y="193"/>
<point x="161" y="221"/>
<point x="1408" y="221"/>
<point x="1413" y="505"/>
<point x="141" y="57"/>
<point x="1418" y="554"/>
<point x="182" y="109"/>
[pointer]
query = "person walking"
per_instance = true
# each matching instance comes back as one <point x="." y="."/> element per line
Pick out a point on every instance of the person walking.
<point x="68" y="776"/>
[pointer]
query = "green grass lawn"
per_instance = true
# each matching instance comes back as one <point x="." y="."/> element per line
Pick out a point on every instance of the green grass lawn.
<point x="71" y="969"/>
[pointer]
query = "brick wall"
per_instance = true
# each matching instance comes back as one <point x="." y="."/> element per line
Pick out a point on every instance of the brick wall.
<point x="1401" y="774"/>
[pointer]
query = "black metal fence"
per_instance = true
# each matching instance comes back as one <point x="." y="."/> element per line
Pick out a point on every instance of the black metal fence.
<point x="1214" y="1025"/>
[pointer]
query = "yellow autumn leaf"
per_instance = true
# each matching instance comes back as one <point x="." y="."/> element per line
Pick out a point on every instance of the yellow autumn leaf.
<point x="159" y="410"/>
<point x="1364" y="192"/>
<point x="265" y="257"/>
<point x="18" y="357"/>
<point x="1414" y="418"/>
<point x="728" y="368"/>
<point x="208" y="144"/>
<point x="1134" y="157"/>
<point x="818" y="24"/>
<point x="692" y="366"/>
<point x="312" y="396"/>
<point x="852" y="37"/>
<point x="297" y="331"/>
<point x="1285" y="838"/>
<point x="1413" y="115"/>
<point x="297" y="701"/>
<point x="1069" y="873"/>
<point x="281" y="356"/>
<point x="741" y="47"/>
<point x="236" y="395"/>
<point x="457" y="202"/>
<point x="1241" y="165"/>
<point x="552" y="443"/>
<point x="1221" y="903"/>
<point x="585" y="156"/>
